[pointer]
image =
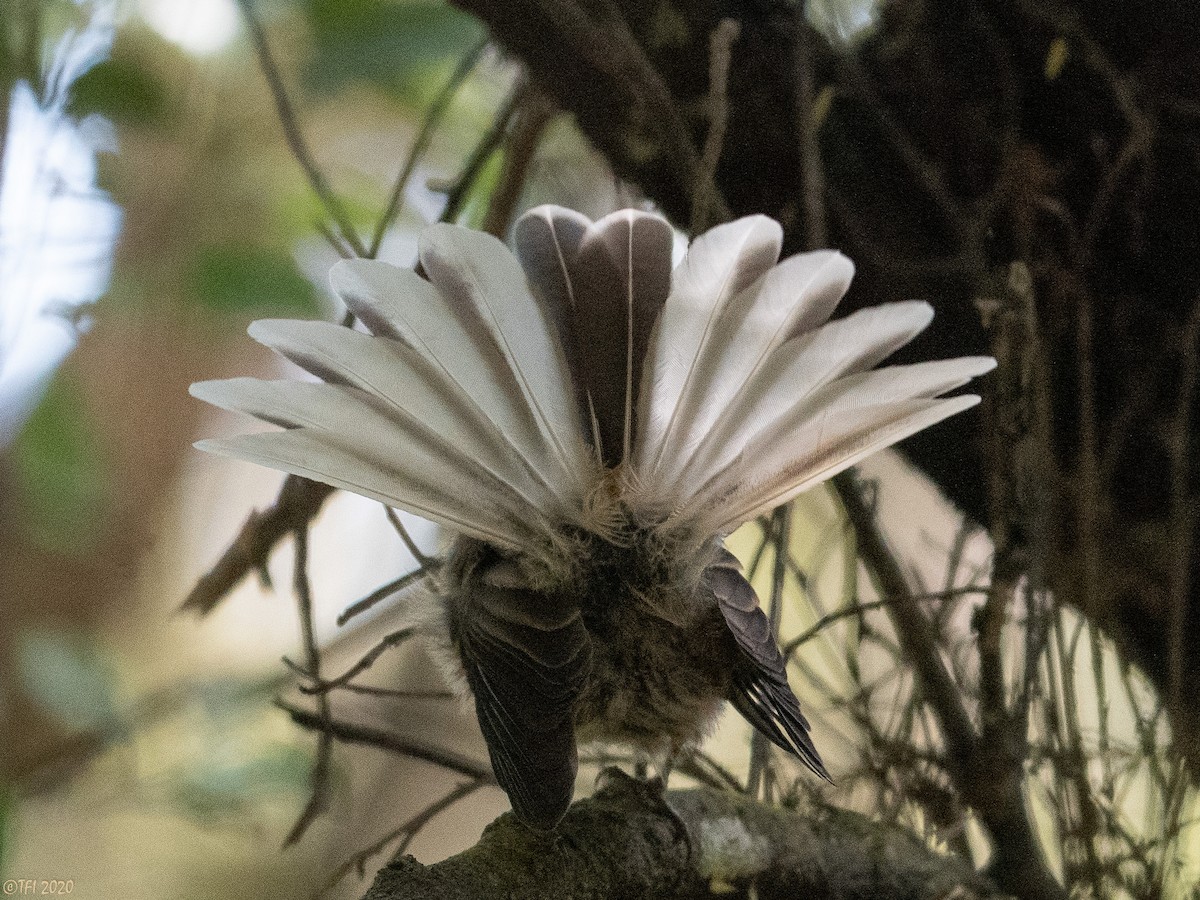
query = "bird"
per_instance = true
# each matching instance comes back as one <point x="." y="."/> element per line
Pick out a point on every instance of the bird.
<point x="590" y="423"/>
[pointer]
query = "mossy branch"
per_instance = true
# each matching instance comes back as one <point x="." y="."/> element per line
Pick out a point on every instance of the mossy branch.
<point x="631" y="840"/>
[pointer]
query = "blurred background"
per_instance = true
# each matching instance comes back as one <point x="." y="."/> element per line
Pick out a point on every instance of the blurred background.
<point x="157" y="193"/>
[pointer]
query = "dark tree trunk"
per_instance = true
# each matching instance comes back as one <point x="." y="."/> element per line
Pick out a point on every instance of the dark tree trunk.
<point x="960" y="139"/>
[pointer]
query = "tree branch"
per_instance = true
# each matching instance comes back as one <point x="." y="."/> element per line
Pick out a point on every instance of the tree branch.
<point x="298" y="503"/>
<point x="629" y="840"/>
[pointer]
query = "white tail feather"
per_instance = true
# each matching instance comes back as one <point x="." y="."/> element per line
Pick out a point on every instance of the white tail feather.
<point x="547" y="239"/>
<point x="794" y="372"/>
<point x="406" y="383"/>
<point x="817" y="450"/>
<point x="795" y="296"/>
<point x="477" y="274"/>
<point x="350" y="417"/>
<point x="310" y="455"/>
<point x="399" y="303"/>
<point x="718" y="266"/>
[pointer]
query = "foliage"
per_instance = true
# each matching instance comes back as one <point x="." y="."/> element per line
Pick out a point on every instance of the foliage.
<point x="391" y="44"/>
<point x="68" y="678"/>
<point x="122" y="91"/>
<point x="60" y="471"/>
<point x="244" y="281"/>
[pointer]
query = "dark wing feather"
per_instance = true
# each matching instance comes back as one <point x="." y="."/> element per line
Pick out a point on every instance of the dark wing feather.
<point x="760" y="690"/>
<point x="621" y="277"/>
<point x="525" y="655"/>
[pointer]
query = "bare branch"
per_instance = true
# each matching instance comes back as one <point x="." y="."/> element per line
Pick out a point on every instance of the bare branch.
<point x="351" y="733"/>
<point x="319" y="801"/>
<point x="298" y="502"/>
<point x="433" y="118"/>
<point x="757" y="779"/>
<point x="812" y="168"/>
<point x="683" y="843"/>
<point x="382" y="593"/>
<point x="1183" y="511"/>
<point x="720" y="51"/>
<point x="291" y="131"/>
<point x="394" y="639"/>
<point x="424" y="561"/>
<point x="403" y="833"/>
<point x="987" y="776"/>
<point x="533" y="115"/>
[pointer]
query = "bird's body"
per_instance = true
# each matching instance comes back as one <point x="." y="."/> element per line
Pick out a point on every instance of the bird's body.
<point x="592" y="425"/>
<point x="659" y="657"/>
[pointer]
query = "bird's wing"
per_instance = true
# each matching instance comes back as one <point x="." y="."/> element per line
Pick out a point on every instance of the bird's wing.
<point x="760" y="690"/>
<point x="525" y="656"/>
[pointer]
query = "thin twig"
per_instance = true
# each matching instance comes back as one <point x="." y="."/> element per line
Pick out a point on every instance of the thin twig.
<point x="720" y="54"/>
<point x="292" y="133"/>
<point x="532" y="117"/>
<point x="373" y="691"/>
<point x="319" y="800"/>
<point x="320" y="687"/>
<point x="926" y="173"/>
<point x="340" y="247"/>
<point x="406" y="831"/>
<point x="377" y="596"/>
<point x="812" y="170"/>
<point x="858" y="609"/>
<point x="298" y="502"/>
<point x="351" y="733"/>
<point x="433" y="118"/>
<point x="456" y="197"/>
<point x="423" y="561"/>
<point x="998" y="799"/>
<point x="760" y="750"/>
<point x="1182" y="511"/>
<point x="699" y="765"/>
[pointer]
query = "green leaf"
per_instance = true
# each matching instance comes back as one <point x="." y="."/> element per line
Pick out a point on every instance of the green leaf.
<point x="390" y="43"/>
<point x="122" y="91"/>
<point x="62" y="480"/>
<point x="223" y="785"/>
<point x="243" y="280"/>
<point x="67" y="678"/>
